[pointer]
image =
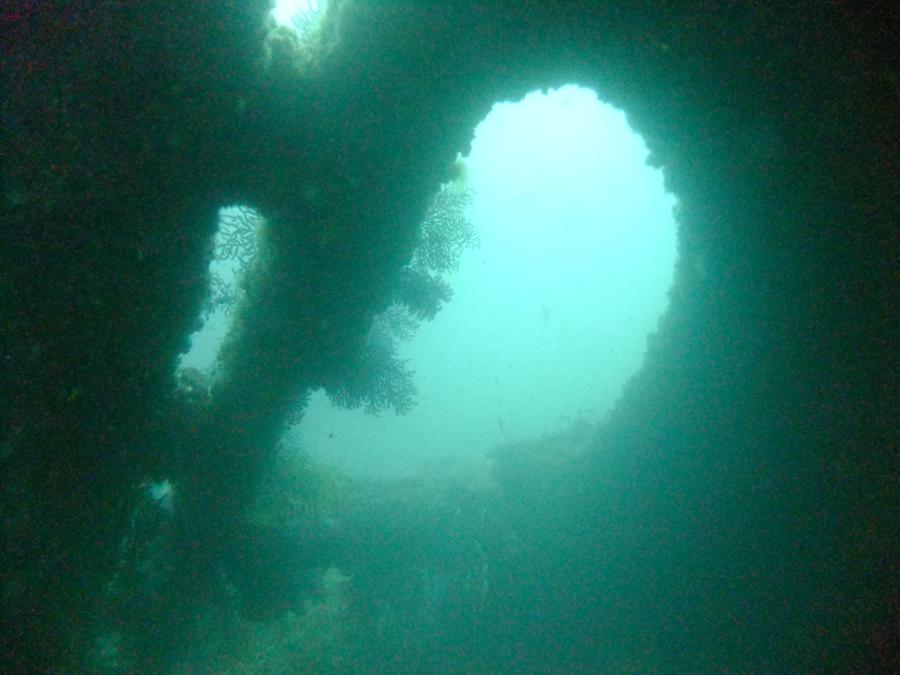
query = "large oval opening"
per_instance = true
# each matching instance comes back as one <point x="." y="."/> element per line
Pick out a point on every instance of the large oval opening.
<point x="550" y="313"/>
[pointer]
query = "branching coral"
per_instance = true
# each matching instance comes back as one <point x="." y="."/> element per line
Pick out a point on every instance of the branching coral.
<point x="375" y="377"/>
<point x="446" y="231"/>
<point x="222" y="295"/>
<point x="236" y="239"/>
<point x="398" y="321"/>
<point x="237" y="243"/>
<point x="421" y="293"/>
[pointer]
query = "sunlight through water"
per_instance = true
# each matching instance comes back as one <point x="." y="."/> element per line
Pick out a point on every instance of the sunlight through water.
<point x="550" y="314"/>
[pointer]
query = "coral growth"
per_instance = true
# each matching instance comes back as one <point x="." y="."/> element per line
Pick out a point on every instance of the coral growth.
<point x="375" y="378"/>
<point x="446" y="232"/>
<point x="236" y="239"/>
<point x="421" y="293"/>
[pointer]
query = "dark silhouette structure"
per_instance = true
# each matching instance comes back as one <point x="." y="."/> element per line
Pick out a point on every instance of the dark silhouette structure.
<point x="742" y="512"/>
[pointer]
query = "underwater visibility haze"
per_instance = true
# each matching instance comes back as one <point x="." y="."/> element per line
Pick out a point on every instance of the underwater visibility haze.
<point x="393" y="337"/>
<point x="552" y="302"/>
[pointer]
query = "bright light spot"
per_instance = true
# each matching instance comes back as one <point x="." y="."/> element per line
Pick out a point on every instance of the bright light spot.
<point x="297" y="13"/>
<point x="551" y="313"/>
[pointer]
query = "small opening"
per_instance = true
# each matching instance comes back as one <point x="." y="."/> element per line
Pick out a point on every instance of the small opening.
<point x="304" y="16"/>
<point x="550" y="314"/>
<point x="235" y="247"/>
